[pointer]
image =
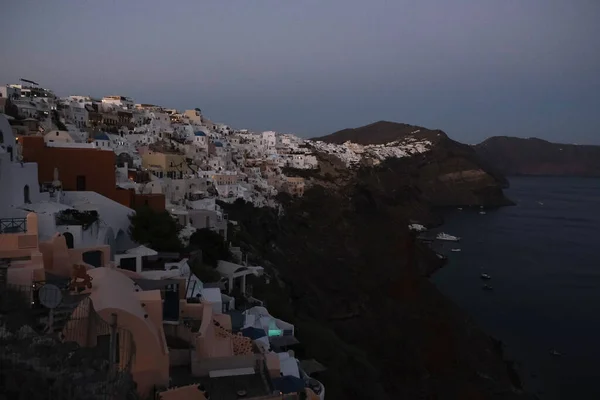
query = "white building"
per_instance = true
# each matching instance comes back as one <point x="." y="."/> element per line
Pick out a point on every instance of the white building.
<point x="200" y="139"/>
<point x="269" y="139"/>
<point x="18" y="181"/>
<point x="123" y="102"/>
<point x="58" y="137"/>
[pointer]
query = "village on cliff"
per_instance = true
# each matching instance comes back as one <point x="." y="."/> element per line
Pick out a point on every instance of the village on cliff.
<point x="72" y="172"/>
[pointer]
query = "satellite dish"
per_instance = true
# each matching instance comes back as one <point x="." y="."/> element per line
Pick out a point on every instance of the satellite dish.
<point x="50" y="296"/>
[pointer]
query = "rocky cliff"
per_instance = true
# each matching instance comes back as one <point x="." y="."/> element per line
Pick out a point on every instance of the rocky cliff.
<point x="351" y="277"/>
<point x="517" y="156"/>
<point x="449" y="173"/>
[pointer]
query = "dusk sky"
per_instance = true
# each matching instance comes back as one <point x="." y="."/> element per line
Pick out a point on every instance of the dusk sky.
<point x="474" y="68"/>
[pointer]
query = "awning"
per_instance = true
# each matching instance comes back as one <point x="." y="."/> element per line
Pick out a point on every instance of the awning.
<point x="142" y="251"/>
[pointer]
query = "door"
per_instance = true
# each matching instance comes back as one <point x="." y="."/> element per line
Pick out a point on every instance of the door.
<point x="80" y="185"/>
<point x="69" y="239"/>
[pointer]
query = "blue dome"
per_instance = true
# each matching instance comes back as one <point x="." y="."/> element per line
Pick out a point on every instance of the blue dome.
<point x="199" y="133"/>
<point x="102" y="136"/>
<point x="218" y="144"/>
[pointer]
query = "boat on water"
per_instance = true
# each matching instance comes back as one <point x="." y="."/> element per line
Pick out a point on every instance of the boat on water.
<point x="417" y="227"/>
<point x="487" y="287"/>
<point x="555" y="353"/>
<point x="482" y="212"/>
<point x="486" y="277"/>
<point x="447" y="237"/>
<point x="455" y="250"/>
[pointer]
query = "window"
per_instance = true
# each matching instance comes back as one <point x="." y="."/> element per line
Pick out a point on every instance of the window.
<point x="26" y="198"/>
<point x="129" y="264"/>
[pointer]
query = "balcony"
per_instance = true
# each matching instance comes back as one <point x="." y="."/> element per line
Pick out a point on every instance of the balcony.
<point x="13" y="225"/>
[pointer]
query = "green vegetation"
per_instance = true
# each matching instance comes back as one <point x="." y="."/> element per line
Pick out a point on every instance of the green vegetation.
<point x="157" y="229"/>
<point x="211" y="244"/>
<point x="57" y="122"/>
<point x="76" y="217"/>
<point x="206" y="273"/>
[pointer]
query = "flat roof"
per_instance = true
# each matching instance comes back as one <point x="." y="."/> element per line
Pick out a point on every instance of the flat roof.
<point x="212" y="295"/>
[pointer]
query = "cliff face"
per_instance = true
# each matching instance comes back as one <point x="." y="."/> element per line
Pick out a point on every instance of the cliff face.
<point x="449" y="174"/>
<point x="353" y="280"/>
<point x="516" y="156"/>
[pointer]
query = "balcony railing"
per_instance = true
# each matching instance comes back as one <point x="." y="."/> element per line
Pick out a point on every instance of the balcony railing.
<point x="13" y="225"/>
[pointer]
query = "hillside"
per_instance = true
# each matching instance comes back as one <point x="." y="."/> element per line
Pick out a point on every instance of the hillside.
<point x="354" y="281"/>
<point x="378" y="133"/>
<point x="445" y="172"/>
<point x="517" y="156"/>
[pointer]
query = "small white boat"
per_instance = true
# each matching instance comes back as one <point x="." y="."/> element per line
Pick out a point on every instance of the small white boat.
<point x="459" y="208"/>
<point x="485" y="276"/>
<point x="487" y="287"/>
<point x="555" y="353"/>
<point x="446" y="237"/>
<point x="482" y="212"/>
<point x="417" y="227"/>
<point x="540" y="203"/>
<point x="456" y="250"/>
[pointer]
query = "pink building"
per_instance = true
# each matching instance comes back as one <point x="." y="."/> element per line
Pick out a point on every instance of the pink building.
<point x="155" y="330"/>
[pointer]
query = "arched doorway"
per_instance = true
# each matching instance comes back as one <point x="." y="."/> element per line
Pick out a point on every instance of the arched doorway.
<point x="26" y="198"/>
<point x="69" y="239"/>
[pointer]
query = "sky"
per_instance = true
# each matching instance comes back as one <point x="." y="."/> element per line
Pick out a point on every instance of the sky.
<point x="473" y="68"/>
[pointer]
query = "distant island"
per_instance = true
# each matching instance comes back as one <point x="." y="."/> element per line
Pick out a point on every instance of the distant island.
<point x="517" y="156"/>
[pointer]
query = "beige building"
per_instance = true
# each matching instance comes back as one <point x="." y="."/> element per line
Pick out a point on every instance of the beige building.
<point x="194" y="116"/>
<point x="58" y="136"/>
<point x="225" y="179"/>
<point x="293" y="186"/>
<point x="166" y="164"/>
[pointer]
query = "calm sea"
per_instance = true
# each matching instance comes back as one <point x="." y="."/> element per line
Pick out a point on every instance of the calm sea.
<point x="544" y="259"/>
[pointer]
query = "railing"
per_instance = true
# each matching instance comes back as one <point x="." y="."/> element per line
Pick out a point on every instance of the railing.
<point x="13" y="225"/>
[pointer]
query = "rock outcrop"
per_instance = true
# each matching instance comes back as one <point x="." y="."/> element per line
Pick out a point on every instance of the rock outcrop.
<point x="517" y="156"/>
<point x="447" y="174"/>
